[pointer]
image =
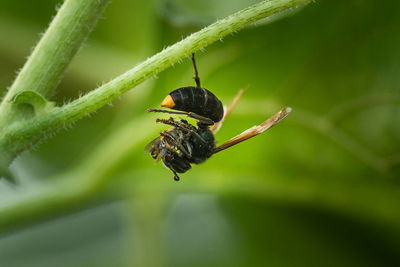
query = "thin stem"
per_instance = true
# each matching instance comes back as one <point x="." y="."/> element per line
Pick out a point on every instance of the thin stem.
<point x="21" y="136"/>
<point x="55" y="50"/>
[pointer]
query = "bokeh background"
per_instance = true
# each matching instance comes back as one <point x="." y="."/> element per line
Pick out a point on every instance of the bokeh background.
<point x="320" y="189"/>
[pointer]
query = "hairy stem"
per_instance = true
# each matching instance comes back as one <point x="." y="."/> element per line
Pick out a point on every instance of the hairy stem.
<point x="51" y="56"/>
<point x="21" y="136"/>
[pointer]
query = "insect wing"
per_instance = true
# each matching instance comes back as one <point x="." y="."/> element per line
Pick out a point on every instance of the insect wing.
<point x="154" y="148"/>
<point x="255" y="130"/>
<point x="150" y="145"/>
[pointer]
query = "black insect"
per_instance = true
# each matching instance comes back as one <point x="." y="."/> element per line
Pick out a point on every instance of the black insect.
<point x="185" y="144"/>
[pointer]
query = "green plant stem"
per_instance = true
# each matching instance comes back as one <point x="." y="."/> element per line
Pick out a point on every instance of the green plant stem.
<point x="51" y="56"/>
<point x="21" y="136"/>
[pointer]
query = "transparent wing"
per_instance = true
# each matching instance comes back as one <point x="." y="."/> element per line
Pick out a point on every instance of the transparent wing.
<point x="255" y="130"/>
<point x="150" y="145"/>
<point x="153" y="148"/>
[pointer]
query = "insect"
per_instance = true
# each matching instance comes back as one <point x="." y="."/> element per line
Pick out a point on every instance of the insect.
<point x="184" y="144"/>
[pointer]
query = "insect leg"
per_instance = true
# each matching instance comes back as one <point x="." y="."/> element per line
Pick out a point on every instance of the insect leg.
<point x="201" y="119"/>
<point x="196" y="74"/>
<point x="177" y="124"/>
<point x="184" y="126"/>
<point x="176" y="177"/>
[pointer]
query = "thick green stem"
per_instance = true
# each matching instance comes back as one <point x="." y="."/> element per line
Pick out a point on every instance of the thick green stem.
<point x="21" y="136"/>
<point x="51" y="56"/>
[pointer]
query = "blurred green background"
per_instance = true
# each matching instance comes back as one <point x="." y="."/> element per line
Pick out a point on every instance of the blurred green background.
<point x="320" y="189"/>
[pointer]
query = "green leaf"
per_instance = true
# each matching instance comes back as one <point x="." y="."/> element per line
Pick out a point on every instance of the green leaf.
<point x="38" y="102"/>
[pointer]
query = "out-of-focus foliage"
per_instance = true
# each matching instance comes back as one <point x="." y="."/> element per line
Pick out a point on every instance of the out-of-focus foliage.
<point x="322" y="188"/>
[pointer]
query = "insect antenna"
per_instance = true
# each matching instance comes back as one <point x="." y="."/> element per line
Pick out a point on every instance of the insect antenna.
<point x="255" y="130"/>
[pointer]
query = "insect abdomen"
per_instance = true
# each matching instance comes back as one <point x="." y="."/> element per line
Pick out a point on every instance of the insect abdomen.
<point x="197" y="100"/>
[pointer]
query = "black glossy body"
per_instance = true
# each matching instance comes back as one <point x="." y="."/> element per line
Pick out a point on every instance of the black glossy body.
<point x="185" y="144"/>
<point x="198" y="100"/>
<point x="182" y="145"/>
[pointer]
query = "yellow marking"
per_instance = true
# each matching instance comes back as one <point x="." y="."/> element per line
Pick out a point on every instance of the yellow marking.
<point x="168" y="102"/>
